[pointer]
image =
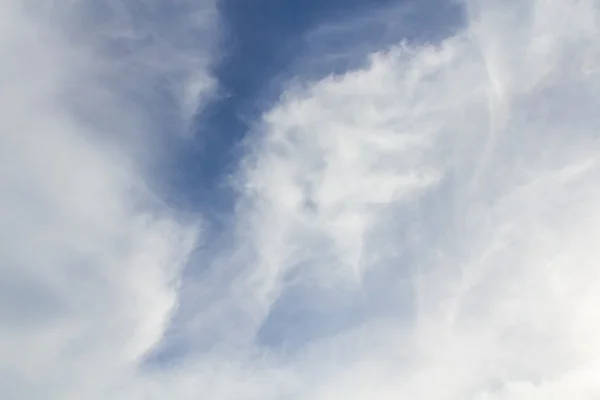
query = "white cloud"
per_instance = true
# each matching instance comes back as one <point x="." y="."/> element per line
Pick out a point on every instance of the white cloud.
<point x="89" y="259"/>
<point x="424" y="227"/>
<point x="464" y="174"/>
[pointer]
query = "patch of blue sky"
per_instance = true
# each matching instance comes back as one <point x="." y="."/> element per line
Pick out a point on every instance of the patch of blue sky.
<point x="266" y="45"/>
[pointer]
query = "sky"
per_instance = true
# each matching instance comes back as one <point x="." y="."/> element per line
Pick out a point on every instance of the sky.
<point x="229" y="199"/>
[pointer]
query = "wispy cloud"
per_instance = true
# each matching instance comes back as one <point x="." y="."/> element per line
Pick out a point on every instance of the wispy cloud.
<point x="445" y="193"/>
<point x="422" y="227"/>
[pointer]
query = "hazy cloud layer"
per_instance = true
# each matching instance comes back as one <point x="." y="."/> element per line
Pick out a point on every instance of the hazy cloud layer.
<point x="422" y="227"/>
<point x="90" y="259"/>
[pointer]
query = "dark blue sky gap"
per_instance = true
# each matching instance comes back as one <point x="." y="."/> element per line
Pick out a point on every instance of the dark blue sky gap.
<point x="267" y="42"/>
<point x="264" y="42"/>
<point x="262" y="39"/>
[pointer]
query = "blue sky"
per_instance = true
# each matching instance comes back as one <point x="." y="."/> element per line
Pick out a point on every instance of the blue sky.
<point x="299" y="199"/>
<point x="264" y="44"/>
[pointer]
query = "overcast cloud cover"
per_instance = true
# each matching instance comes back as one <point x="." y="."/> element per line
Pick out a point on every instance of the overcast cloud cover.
<point x="423" y="225"/>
